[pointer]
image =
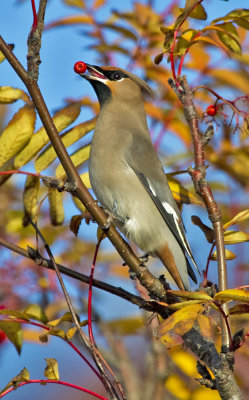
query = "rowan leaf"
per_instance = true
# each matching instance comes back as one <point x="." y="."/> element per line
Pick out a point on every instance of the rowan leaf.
<point x="13" y="331"/>
<point x="35" y="311"/>
<point x="62" y="119"/>
<point x="75" y="3"/>
<point x="68" y="138"/>
<point x="233" y="237"/>
<point x="183" y="319"/>
<point x="239" y="309"/>
<point x="9" y="95"/>
<point x="17" y="133"/>
<point x="181" y="194"/>
<point x="79" y="157"/>
<point x="56" y="209"/>
<point x="191" y="295"/>
<point x="23" y="376"/>
<point x="232" y="40"/>
<point x="72" y="20"/>
<point x="233" y="295"/>
<point x="228" y="254"/>
<point x="30" y="198"/>
<point x="198" y="11"/>
<point x="52" y="370"/>
<point x="241" y="216"/>
<point x="14" y="313"/>
<point x="206" y="327"/>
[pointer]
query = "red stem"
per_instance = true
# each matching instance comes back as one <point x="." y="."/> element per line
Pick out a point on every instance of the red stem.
<point x="22" y="321"/>
<point x="89" y="313"/>
<point x="16" y="171"/>
<point x="184" y="55"/>
<point x="42" y="381"/>
<point x="35" y="20"/>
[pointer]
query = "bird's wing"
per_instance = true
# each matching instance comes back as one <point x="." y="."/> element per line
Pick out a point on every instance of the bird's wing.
<point x="142" y="158"/>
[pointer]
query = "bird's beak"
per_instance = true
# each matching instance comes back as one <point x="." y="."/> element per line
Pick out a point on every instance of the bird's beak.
<point x="94" y="73"/>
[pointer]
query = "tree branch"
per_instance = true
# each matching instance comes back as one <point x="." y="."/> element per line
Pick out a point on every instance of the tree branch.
<point x="198" y="174"/>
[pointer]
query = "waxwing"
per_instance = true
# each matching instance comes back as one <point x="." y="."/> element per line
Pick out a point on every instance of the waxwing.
<point x="127" y="176"/>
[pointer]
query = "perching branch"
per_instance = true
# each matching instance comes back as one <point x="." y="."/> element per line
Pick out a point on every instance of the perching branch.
<point x="152" y="284"/>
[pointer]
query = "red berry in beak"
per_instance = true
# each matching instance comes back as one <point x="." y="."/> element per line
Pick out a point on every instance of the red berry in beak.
<point x="80" y="67"/>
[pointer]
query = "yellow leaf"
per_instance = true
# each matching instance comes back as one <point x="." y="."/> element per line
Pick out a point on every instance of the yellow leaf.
<point x="228" y="253"/>
<point x="185" y="361"/>
<point x="56" y="209"/>
<point x="51" y="370"/>
<point x="191" y="295"/>
<point x="181" y="194"/>
<point x="126" y="326"/>
<point x="72" y="20"/>
<point x="79" y="204"/>
<point x="230" y="37"/>
<point x="86" y="180"/>
<point x="68" y="138"/>
<point x="79" y="157"/>
<point x="9" y="94"/>
<point x="186" y="315"/>
<point x="178" y="306"/>
<point x="205" y="39"/>
<point x="30" y="198"/>
<point x="75" y="3"/>
<point x="62" y="119"/>
<point x="71" y="332"/>
<point x="17" y="133"/>
<point x="241" y="216"/>
<point x="206" y="327"/>
<point x="205" y="394"/>
<point x="177" y="387"/>
<point x="232" y="237"/>
<point x="233" y="295"/>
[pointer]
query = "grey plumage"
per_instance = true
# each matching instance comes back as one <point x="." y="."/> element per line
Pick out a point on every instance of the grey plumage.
<point x="127" y="176"/>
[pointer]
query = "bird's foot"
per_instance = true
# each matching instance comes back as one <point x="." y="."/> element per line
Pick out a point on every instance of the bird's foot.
<point x="110" y="218"/>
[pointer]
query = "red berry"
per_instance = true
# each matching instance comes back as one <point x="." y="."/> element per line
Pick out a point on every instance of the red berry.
<point x="80" y="67"/>
<point x="2" y="336"/>
<point x="211" y="110"/>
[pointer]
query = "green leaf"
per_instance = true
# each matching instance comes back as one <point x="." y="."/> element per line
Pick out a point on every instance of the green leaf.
<point x="230" y="40"/>
<point x="56" y="209"/>
<point x="23" y="376"/>
<point x="13" y="331"/>
<point x="35" y="311"/>
<point x="14" y="313"/>
<point x="68" y="138"/>
<point x="17" y="133"/>
<point x="198" y="11"/>
<point x="30" y="198"/>
<point x="62" y="119"/>
<point x="51" y="370"/>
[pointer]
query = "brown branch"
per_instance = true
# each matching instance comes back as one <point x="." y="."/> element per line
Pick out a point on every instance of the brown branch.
<point x="198" y="174"/>
<point x="34" y="43"/>
<point x="35" y="256"/>
<point x="152" y="284"/>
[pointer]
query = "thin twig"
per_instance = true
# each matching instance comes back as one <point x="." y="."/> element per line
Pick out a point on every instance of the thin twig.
<point x="91" y="348"/>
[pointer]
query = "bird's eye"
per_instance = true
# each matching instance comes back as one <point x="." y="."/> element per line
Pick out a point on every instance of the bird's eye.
<point x="116" y="76"/>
